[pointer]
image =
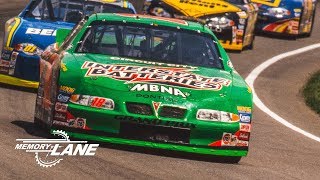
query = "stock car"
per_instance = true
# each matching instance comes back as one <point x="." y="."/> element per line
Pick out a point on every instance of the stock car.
<point x="286" y="17"/>
<point x="232" y="21"/>
<point x="145" y="81"/>
<point x="34" y="29"/>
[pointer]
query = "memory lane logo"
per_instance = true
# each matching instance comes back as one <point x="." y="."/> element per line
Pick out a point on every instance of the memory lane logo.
<point x="49" y="152"/>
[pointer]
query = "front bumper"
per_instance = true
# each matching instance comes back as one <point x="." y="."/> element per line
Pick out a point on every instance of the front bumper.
<point x="155" y="145"/>
<point x="200" y="137"/>
<point x="273" y="25"/>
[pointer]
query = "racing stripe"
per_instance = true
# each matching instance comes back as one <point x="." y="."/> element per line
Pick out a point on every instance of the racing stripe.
<point x="12" y="31"/>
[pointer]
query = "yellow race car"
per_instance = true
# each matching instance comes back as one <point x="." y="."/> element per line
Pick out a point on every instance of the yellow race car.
<point x="232" y="21"/>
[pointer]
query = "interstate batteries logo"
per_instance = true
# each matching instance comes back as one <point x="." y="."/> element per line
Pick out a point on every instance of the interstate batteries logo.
<point x="164" y="75"/>
<point x="49" y="152"/>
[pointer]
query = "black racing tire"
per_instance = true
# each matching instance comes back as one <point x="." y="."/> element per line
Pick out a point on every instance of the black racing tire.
<point x="312" y="22"/>
<point x="251" y="45"/>
<point x="306" y="35"/>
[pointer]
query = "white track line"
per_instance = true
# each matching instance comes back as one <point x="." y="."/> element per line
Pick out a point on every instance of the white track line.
<point x="258" y="70"/>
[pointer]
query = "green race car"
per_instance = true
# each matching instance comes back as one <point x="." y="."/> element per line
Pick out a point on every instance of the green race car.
<point x="145" y="81"/>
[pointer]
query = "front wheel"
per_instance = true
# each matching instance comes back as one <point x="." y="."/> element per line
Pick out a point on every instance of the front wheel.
<point x="312" y="23"/>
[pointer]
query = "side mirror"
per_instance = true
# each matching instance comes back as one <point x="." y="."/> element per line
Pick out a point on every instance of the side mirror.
<point x="62" y="35"/>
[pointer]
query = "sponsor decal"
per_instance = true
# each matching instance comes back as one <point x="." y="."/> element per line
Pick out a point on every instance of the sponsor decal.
<point x="14" y="56"/>
<point x="41" y="32"/>
<point x="241" y="27"/>
<point x="244" y="109"/>
<point x="228" y="139"/>
<point x="245" y="117"/>
<point x="150" y="62"/>
<point x="29" y="49"/>
<point x="61" y="107"/>
<point x="49" y="152"/>
<point x="58" y="116"/>
<point x="244" y="136"/>
<point x="162" y="98"/>
<point x="242" y="21"/>
<point x="242" y="143"/>
<point x="245" y="127"/>
<point x="165" y="75"/>
<point x="148" y="121"/>
<point x="245" y="112"/>
<point x="158" y="88"/>
<point x="6" y="55"/>
<point x="4" y="63"/>
<point x="80" y="123"/>
<point x="4" y="70"/>
<point x="63" y="98"/>
<point x="67" y="89"/>
<point x="230" y="64"/>
<point x="64" y="67"/>
<point x="202" y="3"/>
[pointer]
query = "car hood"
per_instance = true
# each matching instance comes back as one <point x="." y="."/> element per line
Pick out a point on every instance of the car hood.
<point x="202" y="7"/>
<point x="102" y="74"/>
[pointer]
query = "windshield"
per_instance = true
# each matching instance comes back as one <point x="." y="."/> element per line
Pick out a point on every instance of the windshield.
<point x="72" y="10"/>
<point x="167" y="45"/>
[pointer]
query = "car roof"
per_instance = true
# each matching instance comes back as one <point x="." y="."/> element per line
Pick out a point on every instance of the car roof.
<point x="147" y="19"/>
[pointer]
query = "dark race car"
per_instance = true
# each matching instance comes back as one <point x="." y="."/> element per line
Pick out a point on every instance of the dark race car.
<point x="286" y="17"/>
<point x="34" y="29"/>
<point x="232" y="21"/>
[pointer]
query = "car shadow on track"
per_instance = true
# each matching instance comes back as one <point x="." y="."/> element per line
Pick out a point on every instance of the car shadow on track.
<point x="31" y="129"/>
<point x="30" y="90"/>
<point x="278" y="36"/>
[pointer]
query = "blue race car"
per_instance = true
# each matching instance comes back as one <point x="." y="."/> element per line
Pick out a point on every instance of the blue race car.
<point x="287" y="17"/>
<point x="34" y="30"/>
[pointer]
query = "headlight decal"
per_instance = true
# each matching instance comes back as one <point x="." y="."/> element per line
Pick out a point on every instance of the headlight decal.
<point x="215" y="115"/>
<point x="93" y="101"/>
<point x="278" y="12"/>
<point x="216" y="23"/>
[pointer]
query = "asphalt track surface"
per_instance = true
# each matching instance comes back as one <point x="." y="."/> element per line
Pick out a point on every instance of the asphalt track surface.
<point x="276" y="152"/>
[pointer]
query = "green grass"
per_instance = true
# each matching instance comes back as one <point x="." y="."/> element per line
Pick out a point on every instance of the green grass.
<point x="311" y="92"/>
